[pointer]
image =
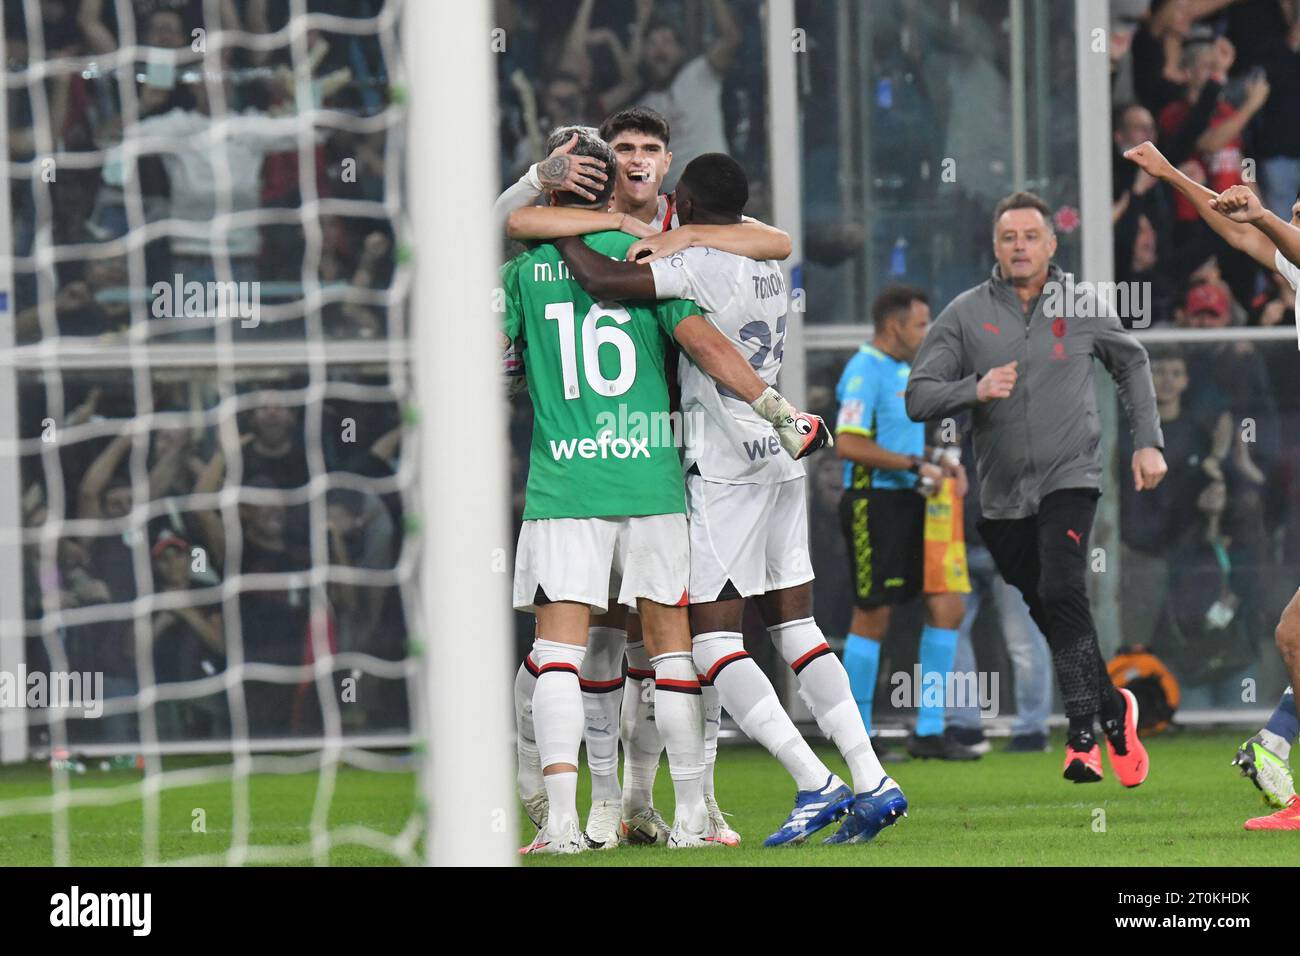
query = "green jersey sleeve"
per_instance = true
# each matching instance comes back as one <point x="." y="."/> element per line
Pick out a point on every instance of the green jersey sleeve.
<point x="671" y="312"/>
<point x="512" y="322"/>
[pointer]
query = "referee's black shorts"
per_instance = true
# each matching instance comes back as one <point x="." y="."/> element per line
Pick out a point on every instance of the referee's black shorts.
<point x="884" y="530"/>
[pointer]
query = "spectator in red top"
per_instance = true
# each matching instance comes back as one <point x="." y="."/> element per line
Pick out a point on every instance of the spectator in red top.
<point x="1217" y="157"/>
<point x="1219" y="148"/>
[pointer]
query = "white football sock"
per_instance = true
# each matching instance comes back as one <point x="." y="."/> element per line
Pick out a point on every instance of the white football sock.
<point x="711" y="706"/>
<point x="558" y="722"/>
<point x="638" y="732"/>
<point x="752" y="702"/>
<point x="825" y="683"/>
<point x="680" y="716"/>
<point x="602" y="697"/>
<point x="561" y="791"/>
<point x="529" y="774"/>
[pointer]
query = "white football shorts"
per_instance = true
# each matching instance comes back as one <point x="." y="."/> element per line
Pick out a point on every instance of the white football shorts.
<point x="755" y="536"/>
<point x="590" y="560"/>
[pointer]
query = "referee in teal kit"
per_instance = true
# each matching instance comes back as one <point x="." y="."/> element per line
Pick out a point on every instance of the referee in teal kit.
<point x="882" y="512"/>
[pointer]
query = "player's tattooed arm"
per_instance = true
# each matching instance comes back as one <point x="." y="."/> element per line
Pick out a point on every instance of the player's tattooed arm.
<point x="553" y="170"/>
<point x="563" y="171"/>
<point x="603" y="277"/>
<point x="751" y="238"/>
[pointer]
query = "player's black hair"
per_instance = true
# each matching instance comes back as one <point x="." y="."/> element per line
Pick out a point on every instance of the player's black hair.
<point x="589" y="144"/>
<point x="894" y="302"/>
<point x="639" y="119"/>
<point x="717" y="184"/>
<point x="1022" y="200"/>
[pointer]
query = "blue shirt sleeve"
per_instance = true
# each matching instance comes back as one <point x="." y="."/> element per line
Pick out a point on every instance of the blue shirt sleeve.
<point x="857" y="394"/>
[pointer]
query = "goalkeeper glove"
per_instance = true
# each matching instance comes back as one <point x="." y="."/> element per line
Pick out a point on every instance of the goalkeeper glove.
<point x="800" y="434"/>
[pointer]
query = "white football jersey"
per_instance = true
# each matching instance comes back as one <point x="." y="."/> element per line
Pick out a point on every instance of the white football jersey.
<point x="666" y="215"/>
<point x="1291" y="273"/>
<point x="746" y="301"/>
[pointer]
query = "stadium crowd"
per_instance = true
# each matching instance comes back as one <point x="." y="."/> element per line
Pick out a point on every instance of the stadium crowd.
<point x="1215" y="84"/>
<point x="187" y="163"/>
<point x="188" y="168"/>
<point x="190" y="545"/>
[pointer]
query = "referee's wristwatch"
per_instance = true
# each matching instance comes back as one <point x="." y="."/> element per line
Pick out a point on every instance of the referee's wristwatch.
<point x="916" y="465"/>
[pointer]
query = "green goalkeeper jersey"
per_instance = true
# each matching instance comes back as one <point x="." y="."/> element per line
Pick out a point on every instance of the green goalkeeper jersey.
<point x="603" y="441"/>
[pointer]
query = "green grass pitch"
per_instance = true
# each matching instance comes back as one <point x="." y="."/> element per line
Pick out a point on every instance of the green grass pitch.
<point x="280" y="810"/>
<point x="1003" y="810"/>
<point x="1007" y="809"/>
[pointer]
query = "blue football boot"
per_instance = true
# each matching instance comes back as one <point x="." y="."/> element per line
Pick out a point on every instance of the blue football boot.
<point x="871" y="813"/>
<point x="813" y="810"/>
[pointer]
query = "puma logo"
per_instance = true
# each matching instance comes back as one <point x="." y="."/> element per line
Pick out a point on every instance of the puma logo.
<point x="990" y="327"/>
<point x="1073" y="536"/>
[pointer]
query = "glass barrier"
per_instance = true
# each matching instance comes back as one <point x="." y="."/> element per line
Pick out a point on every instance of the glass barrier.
<point x="130" y="545"/>
<point x="1207" y="561"/>
<point x="904" y="160"/>
<point x="129" y="165"/>
<point x="1210" y="558"/>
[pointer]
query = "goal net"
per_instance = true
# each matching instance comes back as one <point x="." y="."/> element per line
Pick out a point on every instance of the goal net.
<point x="215" y="635"/>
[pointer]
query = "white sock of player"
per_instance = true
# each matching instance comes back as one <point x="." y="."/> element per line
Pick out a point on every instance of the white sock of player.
<point x="529" y="774"/>
<point x="680" y="716"/>
<point x="558" y="722"/>
<point x="711" y="705"/>
<point x="812" y="709"/>
<point x="638" y="732"/>
<point x="751" y="700"/>
<point x="825" y="683"/>
<point x="602" y="695"/>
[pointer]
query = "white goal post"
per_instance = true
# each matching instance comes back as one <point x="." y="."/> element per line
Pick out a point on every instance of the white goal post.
<point x="468" y="634"/>
<point x="13" y="723"/>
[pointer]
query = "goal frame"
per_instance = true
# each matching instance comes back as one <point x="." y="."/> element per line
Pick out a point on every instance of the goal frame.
<point x="468" y="632"/>
<point x="13" y="721"/>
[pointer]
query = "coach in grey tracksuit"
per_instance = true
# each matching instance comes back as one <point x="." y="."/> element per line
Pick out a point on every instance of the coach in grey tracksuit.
<point x="1015" y="350"/>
